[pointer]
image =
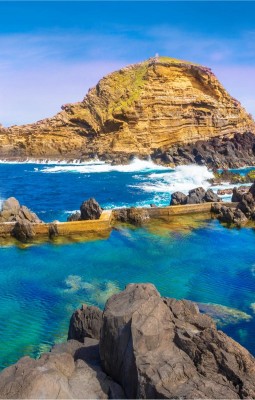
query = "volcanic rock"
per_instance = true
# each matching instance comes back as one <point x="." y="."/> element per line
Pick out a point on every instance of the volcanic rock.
<point x="237" y="195"/>
<point x="85" y="322"/>
<point x="174" y="111"/>
<point x="23" y="231"/>
<point x="211" y="197"/>
<point x="247" y="205"/>
<point x="178" y="198"/>
<point x="90" y="209"/>
<point x="232" y="216"/>
<point x="135" y="216"/>
<point x="12" y="211"/>
<point x="158" y="348"/>
<point x="150" y="347"/>
<point x="74" y="217"/>
<point x="195" y="196"/>
<point x="70" y="371"/>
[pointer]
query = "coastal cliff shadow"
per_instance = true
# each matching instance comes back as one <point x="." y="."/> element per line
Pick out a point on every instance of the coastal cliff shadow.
<point x="89" y="354"/>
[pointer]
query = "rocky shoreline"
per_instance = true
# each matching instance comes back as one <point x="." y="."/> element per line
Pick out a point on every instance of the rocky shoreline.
<point x="237" y="151"/>
<point x="141" y="346"/>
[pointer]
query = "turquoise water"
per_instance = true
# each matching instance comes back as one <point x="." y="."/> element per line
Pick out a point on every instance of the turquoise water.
<point x="42" y="284"/>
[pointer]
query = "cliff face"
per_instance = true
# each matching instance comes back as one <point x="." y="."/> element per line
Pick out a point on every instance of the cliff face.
<point x="144" y="109"/>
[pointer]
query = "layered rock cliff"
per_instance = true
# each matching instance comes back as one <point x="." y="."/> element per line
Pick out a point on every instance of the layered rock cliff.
<point x="147" y="109"/>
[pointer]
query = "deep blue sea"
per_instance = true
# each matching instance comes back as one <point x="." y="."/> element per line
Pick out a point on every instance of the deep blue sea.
<point x="186" y="257"/>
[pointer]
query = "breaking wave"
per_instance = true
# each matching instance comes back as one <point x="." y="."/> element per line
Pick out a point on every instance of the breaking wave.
<point x="182" y="178"/>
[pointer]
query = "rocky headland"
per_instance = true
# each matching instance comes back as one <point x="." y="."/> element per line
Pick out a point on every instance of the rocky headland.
<point x="141" y="346"/>
<point x="173" y="111"/>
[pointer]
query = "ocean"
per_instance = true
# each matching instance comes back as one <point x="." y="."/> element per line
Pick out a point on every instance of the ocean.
<point x="194" y="258"/>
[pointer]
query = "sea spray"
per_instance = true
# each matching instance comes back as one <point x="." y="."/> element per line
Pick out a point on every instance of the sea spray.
<point x="182" y="178"/>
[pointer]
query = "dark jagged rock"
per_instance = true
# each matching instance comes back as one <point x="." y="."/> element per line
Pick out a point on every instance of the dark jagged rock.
<point x="232" y="216"/>
<point x="135" y="216"/>
<point x="74" y="217"/>
<point x="219" y="152"/>
<point x="215" y="208"/>
<point x="252" y="190"/>
<point x="178" y="198"/>
<point x="90" y="209"/>
<point x="85" y="322"/>
<point x="247" y="205"/>
<point x="157" y="348"/>
<point x="12" y="211"/>
<point x="195" y="196"/>
<point x="211" y="197"/>
<point x="237" y="195"/>
<point x="23" y="231"/>
<point x="150" y="347"/>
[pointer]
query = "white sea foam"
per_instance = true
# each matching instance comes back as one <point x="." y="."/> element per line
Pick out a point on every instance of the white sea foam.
<point x="98" y="167"/>
<point x="46" y="161"/>
<point x="182" y="178"/>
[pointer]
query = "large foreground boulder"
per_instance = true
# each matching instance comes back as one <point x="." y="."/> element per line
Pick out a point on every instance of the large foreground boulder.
<point x="149" y="347"/>
<point x="157" y="348"/>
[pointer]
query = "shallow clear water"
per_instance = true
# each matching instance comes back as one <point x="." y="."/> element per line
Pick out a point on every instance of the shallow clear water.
<point x="187" y="257"/>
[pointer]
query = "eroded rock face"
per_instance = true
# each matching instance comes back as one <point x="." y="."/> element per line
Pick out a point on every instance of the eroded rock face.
<point x="90" y="209"/>
<point x="175" y="111"/>
<point x="71" y="371"/>
<point x="85" y="322"/>
<point x="12" y="211"/>
<point x="162" y="348"/>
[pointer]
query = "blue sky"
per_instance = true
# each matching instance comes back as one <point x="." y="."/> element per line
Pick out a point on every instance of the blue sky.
<point x="51" y="53"/>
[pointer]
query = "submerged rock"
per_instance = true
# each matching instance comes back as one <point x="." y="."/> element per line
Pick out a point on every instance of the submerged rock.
<point x="223" y="315"/>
